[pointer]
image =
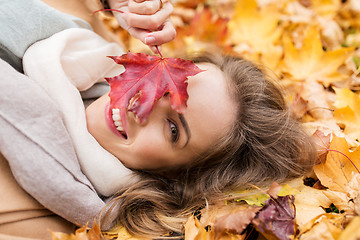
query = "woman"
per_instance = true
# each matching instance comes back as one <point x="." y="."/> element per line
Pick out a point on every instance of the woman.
<point x="236" y="130"/>
<point x="241" y="134"/>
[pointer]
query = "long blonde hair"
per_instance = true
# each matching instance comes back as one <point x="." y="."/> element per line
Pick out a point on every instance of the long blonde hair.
<point x="264" y="145"/>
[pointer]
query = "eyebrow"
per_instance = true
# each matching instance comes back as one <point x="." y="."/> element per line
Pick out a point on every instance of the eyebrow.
<point x="186" y="127"/>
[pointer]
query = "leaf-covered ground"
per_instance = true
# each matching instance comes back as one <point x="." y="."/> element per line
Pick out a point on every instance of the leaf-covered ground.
<point x="312" y="46"/>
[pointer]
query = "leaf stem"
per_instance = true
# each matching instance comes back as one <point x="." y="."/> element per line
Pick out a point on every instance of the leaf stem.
<point x="157" y="48"/>
<point x="333" y="150"/>
<point x="115" y="10"/>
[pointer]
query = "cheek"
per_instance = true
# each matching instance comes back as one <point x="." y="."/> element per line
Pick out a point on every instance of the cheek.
<point x="95" y="113"/>
<point x="149" y="154"/>
<point x="92" y="119"/>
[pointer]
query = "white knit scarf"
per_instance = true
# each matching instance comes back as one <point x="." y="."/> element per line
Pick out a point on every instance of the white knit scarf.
<point x="64" y="64"/>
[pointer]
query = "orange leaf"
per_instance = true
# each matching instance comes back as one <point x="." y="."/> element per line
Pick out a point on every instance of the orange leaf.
<point x="336" y="172"/>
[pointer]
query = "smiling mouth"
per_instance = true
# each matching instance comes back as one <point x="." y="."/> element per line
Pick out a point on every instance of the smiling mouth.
<point x="117" y="122"/>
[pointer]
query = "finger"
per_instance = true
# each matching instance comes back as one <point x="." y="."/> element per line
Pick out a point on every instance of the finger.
<point x="150" y="22"/>
<point x="138" y="33"/>
<point x="148" y="7"/>
<point x="155" y="49"/>
<point x="166" y="34"/>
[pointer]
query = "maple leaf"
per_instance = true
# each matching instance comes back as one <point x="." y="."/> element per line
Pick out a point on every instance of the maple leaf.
<point x="277" y="217"/>
<point x="325" y="226"/>
<point x="309" y="203"/>
<point x="234" y="223"/>
<point x="151" y="77"/>
<point x="347" y="113"/>
<point x="254" y="26"/>
<point x="351" y="123"/>
<point x="336" y="172"/>
<point x="345" y="97"/>
<point x="310" y="61"/>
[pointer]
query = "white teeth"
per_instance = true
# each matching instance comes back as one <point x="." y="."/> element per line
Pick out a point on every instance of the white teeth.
<point x="116" y="111"/>
<point x="117" y="119"/>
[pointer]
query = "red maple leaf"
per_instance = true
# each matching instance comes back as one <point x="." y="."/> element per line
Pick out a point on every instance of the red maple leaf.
<point x="152" y="77"/>
<point x="276" y="219"/>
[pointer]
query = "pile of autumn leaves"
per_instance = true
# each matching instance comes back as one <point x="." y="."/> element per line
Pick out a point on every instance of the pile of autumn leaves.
<point x="313" y="47"/>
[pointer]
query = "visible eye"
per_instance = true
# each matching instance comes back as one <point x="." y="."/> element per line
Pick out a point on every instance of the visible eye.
<point x="174" y="132"/>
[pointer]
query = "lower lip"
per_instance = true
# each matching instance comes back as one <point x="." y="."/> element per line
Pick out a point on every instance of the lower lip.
<point x="110" y="122"/>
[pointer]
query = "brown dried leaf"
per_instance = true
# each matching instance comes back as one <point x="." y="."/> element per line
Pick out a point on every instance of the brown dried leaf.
<point x="234" y="223"/>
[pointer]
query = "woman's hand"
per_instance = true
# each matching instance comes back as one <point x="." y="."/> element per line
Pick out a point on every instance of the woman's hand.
<point x="146" y="20"/>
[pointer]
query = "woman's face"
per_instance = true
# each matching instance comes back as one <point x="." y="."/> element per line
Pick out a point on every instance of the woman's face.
<point x="167" y="138"/>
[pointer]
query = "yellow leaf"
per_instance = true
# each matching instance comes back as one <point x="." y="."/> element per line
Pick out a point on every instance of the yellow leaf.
<point x="346" y="97"/>
<point x="311" y="62"/>
<point x="340" y="200"/>
<point x="324" y="227"/>
<point x="259" y="198"/>
<point x="256" y="199"/>
<point x="286" y="189"/>
<point x="351" y="121"/>
<point x="348" y="112"/>
<point x="309" y="203"/>
<point x="352" y="231"/>
<point x="124" y="235"/>
<point x="347" y="200"/>
<point x="336" y="172"/>
<point x="59" y="236"/>
<point x="271" y="57"/>
<point x="120" y="232"/>
<point x="257" y="27"/>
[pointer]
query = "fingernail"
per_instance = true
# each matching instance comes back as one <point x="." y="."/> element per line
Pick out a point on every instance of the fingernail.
<point x="149" y="40"/>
